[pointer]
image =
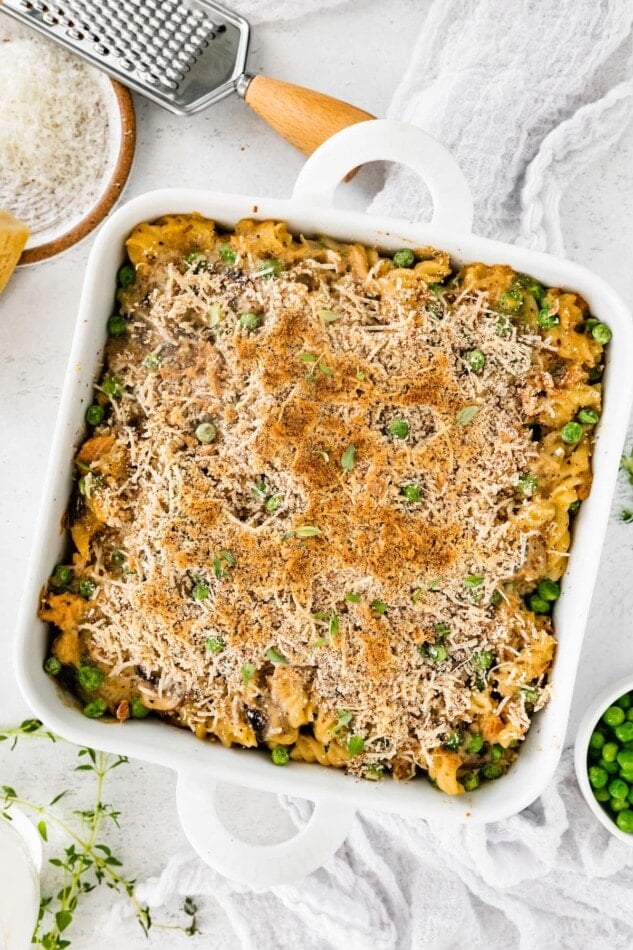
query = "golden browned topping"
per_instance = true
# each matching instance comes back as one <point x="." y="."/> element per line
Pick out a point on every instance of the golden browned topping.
<point x="322" y="490"/>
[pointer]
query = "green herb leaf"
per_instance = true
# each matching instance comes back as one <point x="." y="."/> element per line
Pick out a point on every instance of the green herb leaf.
<point x="319" y="643"/>
<point x="355" y="745"/>
<point x="348" y="458"/>
<point x="307" y="357"/>
<point x="626" y="515"/>
<point x="328" y="316"/>
<point x="325" y="370"/>
<point x="466" y="415"/>
<point x="276" y="657"/>
<point x="41" y="827"/>
<point x="307" y="531"/>
<point x="379" y="606"/>
<point x="248" y="672"/>
<point x="353" y="598"/>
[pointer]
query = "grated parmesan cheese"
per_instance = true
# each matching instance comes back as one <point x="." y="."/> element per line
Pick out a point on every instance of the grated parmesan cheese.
<point x="53" y="131"/>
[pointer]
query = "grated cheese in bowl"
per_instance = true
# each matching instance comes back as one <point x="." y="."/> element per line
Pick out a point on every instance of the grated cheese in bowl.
<point x="58" y="131"/>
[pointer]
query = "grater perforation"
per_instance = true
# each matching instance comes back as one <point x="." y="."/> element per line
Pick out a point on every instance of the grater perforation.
<point x="184" y="56"/>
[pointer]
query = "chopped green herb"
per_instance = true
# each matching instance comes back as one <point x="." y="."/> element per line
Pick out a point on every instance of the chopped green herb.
<point x="626" y="515"/>
<point x="214" y="645"/>
<point x="200" y="591"/>
<point x="280" y="755"/>
<point x="473" y="581"/>
<point x="219" y="560"/>
<point x="348" y="458"/>
<point x="379" y="607"/>
<point x="353" y="598"/>
<point x="307" y="531"/>
<point x="197" y="262"/>
<point x="343" y="719"/>
<point x="319" y="643"/>
<point x="307" y="357"/>
<point x="274" y="503"/>
<point x="248" y="672"/>
<point x="435" y="651"/>
<point x="355" y="745"/>
<point x="442" y="629"/>
<point x="276" y="657"/>
<point x="328" y="316"/>
<point x="483" y="660"/>
<point x="324" y="369"/>
<point x="466" y="415"/>
<point x="270" y="268"/>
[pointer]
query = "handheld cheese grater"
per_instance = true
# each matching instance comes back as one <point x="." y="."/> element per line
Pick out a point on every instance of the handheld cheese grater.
<point x="184" y="55"/>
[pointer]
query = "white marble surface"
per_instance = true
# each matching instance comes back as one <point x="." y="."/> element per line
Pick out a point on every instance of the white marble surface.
<point x="356" y="52"/>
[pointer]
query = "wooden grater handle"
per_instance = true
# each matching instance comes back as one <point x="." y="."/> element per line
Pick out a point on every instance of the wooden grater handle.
<point x="303" y="117"/>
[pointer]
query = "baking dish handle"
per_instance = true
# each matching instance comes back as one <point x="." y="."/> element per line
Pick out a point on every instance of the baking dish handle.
<point x="384" y="140"/>
<point x="258" y="865"/>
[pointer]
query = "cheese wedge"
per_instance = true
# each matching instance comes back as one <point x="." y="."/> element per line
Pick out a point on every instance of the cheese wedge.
<point x="13" y="237"/>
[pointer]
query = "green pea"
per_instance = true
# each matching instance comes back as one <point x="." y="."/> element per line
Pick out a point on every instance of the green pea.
<point x="601" y="795"/>
<point x="52" y="666"/>
<point x="609" y="751"/>
<point x="613" y="716"/>
<point x="601" y="333"/>
<point x="138" y="709"/>
<point x="87" y="587"/>
<point x="631" y="797"/>
<point x="538" y="604"/>
<point x="412" y="493"/>
<point x="624" y="732"/>
<point x="598" y="777"/>
<point x="629" y="715"/>
<point x="436" y="652"/>
<point x="624" y="821"/>
<point x="90" y="678"/>
<point x="549" y="590"/>
<point x="595" y="374"/>
<point x="547" y="320"/>
<point x="627" y="775"/>
<point x="227" y="253"/>
<point x="117" y="325"/>
<point x="571" y="433"/>
<point x="618" y="789"/>
<point x="250" y="321"/>
<point x="611" y="768"/>
<point x="475" y="743"/>
<point x="588" y="417"/>
<point x="527" y="484"/>
<point x="398" y="428"/>
<point x="62" y="576"/>
<point x="214" y="644"/>
<point x="94" y="415"/>
<point x="270" y="268"/>
<point x="404" y="257"/>
<point x="476" y="360"/>
<point x="206" y="433"/>
<point x="510" y="301"/>
<point x="596" y="741"/>
<point x="492" y="771"/>
<point x="280" y="755"/>
<point x="531" y="285"/>
<point x="530" y="694"/>
<point x="453" y="741"/>
<point x="126" y="275"/>
<point x="573" y="508"/>
<point x="95" y="709"/>
<point x="496" y="752"/>
<point x="470" y="781"/>
<point x="624" y="702"/>
<point x="618" y="804"/>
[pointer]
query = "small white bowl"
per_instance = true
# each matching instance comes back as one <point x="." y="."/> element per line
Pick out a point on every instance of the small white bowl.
<point x="589" y="721"/>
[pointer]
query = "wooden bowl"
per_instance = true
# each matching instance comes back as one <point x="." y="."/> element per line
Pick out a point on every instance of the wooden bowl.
<point x="122" y="140"/>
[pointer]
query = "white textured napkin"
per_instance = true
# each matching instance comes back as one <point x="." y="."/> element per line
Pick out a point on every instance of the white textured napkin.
<point x="524" y="95"/>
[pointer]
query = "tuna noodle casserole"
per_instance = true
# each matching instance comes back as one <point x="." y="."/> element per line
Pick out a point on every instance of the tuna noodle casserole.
<point x="325" y="500"/>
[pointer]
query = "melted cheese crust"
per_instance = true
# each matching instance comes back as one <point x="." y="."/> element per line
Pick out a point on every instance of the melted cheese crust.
<point x="343" y="568"/>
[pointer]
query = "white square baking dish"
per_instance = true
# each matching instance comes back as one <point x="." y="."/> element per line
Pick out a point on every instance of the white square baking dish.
<point x="200" y="765"/>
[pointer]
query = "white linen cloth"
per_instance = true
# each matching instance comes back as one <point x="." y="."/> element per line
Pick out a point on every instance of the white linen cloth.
<point x="523" y="94"/>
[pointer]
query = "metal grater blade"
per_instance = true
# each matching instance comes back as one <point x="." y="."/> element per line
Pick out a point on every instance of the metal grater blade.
<point x="182" y="55"/>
